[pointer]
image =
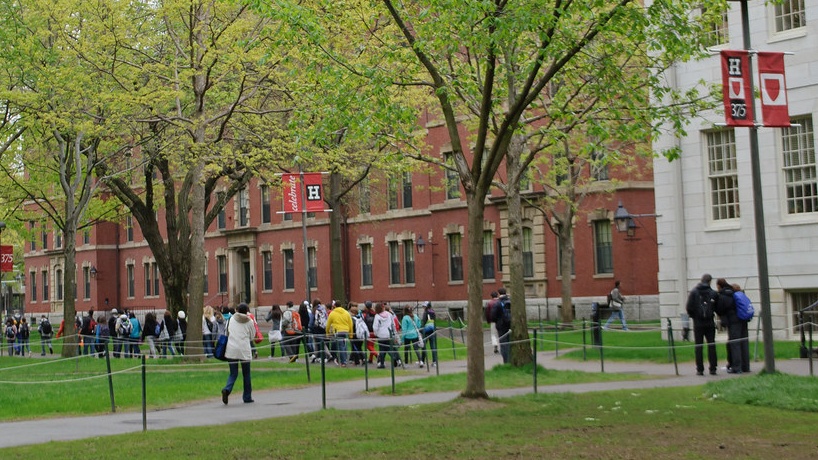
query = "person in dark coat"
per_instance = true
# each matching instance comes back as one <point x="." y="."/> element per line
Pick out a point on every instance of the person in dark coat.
<point x="726" y="309"/>
<point x="704" y="328"/>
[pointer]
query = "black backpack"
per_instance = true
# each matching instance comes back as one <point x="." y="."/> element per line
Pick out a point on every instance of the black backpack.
<point x="706" y="306"/>
<point x="502" y="314"/>
<point x="46" y="327"/>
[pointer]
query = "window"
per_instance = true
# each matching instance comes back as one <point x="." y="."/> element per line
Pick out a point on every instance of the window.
<point x="288" y="216"/>
<point x="244" y="207"/>
<point x="363" y="197"/>
<point x="455" y="257"/>
<point x="409" y="261"/>
<point x="801" y="301"/>
<point x="86" y="281"/>
<point x="33" y="276"/>
<point x="45" y="285"/>
<point x="790" y="14"/>
<point x="394" y="263"/>
<point x="44" y="239"/>
<point x="499" y="254"/>
<point x="452" y="178"/>
<point x="525" y="180"/>
<point x="366" y="265"/>
<point x="407" y="189"/>
<point x="265" y="205"/>
<point x="289" y="270"/>
<point x="222" y="263"/>
<point x="58" y="284"/>
<point x="155" y="268"/>
<point x="717" y="30"/>
<point x="148" y="284"/>
<point x="86" y="236"/>
<point x="488" y="255"/>
<point x="204" y="280"/>
<point x="599" y="165"/>
<point x="722" y="174"/>
<point x="800" y="179"/>
<point x="267" y="269"/>
<point x="57" y="239"/>
<point x="131" y="281"/>
<point x="312" y="268"/>
<point x="221" y="219"/>
<point x="528" y="252"/>
<point x="129" y="228"/>
<point x="603" y="247"/>
<point x="392" y="194"/>
<point x="31" y="226"/>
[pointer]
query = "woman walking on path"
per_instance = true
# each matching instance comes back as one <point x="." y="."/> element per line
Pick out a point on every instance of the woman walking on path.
<point x="410" y="325"/>
<point x="240" y="332"/>
<point x="150" y="333"/>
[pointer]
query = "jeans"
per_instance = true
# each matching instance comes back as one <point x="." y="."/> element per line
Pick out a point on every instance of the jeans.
<point x="341" y="347"/>
<point x="207" y="341"/>
<point x="247" y="394"/>
<point x="413" y="343"/>
<point x="384" y="347"/>
<point x="151" y="345"/>
<point x="617" y="314"/>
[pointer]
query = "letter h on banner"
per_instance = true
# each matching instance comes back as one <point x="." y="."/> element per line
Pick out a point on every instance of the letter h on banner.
<point x="735" y="75"/>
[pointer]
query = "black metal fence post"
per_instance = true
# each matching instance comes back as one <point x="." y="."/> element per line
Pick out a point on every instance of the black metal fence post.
<point x="110" y="377"/>
<point x="672" y="343"/>
<point x="535" y="361"/>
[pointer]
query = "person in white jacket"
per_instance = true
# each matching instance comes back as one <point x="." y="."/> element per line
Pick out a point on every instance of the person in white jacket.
<point x="384" y="328"/>
<point x="240" y="331"/>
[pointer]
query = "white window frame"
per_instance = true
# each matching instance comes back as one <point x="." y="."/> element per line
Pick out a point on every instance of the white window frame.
<point x="798" y="143"/>
<point x="721" y="170"/>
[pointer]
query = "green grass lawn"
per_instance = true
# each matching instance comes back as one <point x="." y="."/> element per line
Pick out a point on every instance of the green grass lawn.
<point x="668" y="423"/>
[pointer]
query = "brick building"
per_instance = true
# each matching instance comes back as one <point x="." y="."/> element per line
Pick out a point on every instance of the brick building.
<point x="401" y="243"/>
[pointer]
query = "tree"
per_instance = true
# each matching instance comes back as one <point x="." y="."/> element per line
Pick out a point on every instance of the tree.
<point x="63" y="124"/>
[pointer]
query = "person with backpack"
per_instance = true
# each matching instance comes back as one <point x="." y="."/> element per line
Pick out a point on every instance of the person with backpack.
<point x="150" y="332"/>
<point x="359" y="337"/>
<point x="501" y="315"/>
<point x="122" y="326"/>
<point x="11" y="335"/>
<point x="745" y="313"/>
<point x="87" y="326"/>
<point x="113" y="319"/>
<point x="726" y="309"/>
<point x="430" y="333"/>
<point x="24" y="335"/>
<point x="700" y="307"/>
<point x="46" y="331"/>
<point x="385" y="332"/>
<point x="292" y="331"/>
<point x="241" y="331"/>
<point x="101" y="335"/>
<point x="616" y="302"/>
<point x="339" y="328"/>
<point x="275" y="330"/>
<point x="318" y="329"/>
<point x="410" y="325"/>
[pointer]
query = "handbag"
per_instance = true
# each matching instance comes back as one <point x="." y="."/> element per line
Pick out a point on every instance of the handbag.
<point x="221" y="348"/>
<point x="616" y="304"/>
<point x="220" y="351"/>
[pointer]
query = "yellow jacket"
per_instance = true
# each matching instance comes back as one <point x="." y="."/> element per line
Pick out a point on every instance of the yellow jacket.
<point x="339" y="320"/>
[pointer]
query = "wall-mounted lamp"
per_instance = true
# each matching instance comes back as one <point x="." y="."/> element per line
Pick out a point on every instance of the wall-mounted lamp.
<point x="421" y="244"/>
<point x="625" y="221"/>
<point x="93" y="271"/>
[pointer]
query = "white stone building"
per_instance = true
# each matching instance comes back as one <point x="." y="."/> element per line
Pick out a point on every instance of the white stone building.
<point x="705" y="198"/>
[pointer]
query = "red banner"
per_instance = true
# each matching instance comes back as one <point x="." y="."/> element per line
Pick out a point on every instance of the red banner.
<point x="314" y="192"/>
<point x="735" y="76"/>
<point x="6" y="258"/>
<point x="774" y="109"/>
<point x="291" y="192"/>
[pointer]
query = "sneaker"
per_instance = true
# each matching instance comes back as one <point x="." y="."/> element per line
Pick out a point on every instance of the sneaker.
<point x="699" y="372"/>
<point x="293" y="359"/>
<point x="381" y="366"/>
<point x="434" y="364"/>
<point x="248" y="401"/>
<point x="225" y="394"/>
<point x="496" y="351"/>
<point x="713" y="372"/>
<point x="420" y="364"/>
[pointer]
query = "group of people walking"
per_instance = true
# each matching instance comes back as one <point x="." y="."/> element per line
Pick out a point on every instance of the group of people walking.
<point x="333" y="333"/>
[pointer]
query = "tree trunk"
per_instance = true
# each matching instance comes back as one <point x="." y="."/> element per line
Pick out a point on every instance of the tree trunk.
<point x="520" y="348"/>
<point x="195" y="305"/>
<point x="475" y="360"/>
<point x="70" y="342"/>
<point x="566" y="238"/>
<point x="336" y="252"/>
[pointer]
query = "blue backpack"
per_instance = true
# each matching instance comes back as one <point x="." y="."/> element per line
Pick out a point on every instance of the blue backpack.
<point x="744" y="308"/>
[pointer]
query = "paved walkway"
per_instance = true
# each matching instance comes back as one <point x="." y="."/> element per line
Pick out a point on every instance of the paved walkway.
<point x="345" y="395"/>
